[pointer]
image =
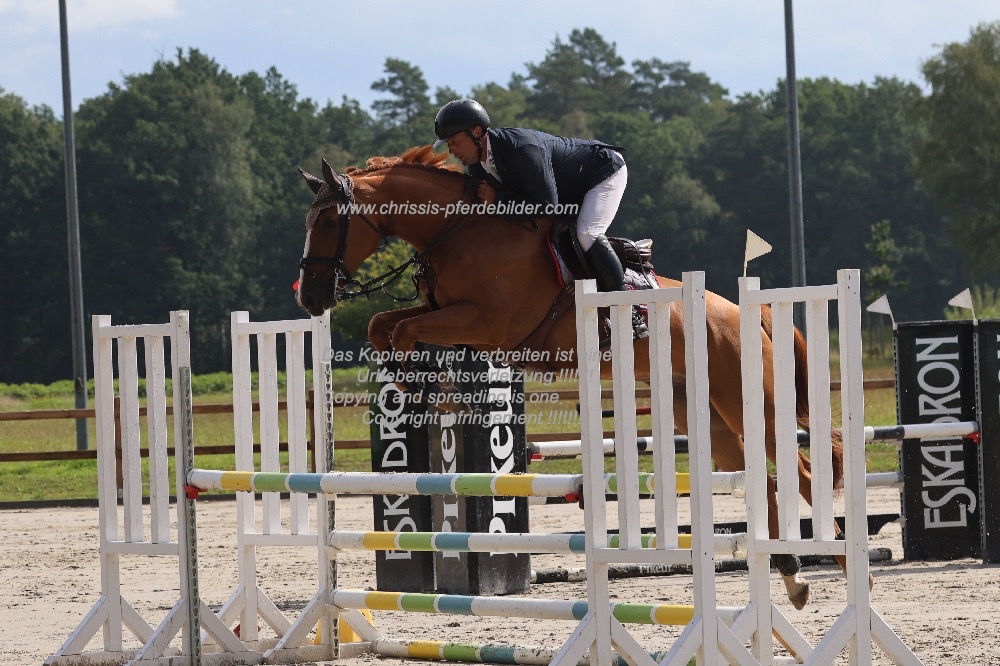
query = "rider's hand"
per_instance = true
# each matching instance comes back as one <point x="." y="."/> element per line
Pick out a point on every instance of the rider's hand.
<point x="486" y="193"/>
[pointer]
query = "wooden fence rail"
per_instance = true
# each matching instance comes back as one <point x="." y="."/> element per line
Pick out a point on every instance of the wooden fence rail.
<point x="227" y="408"/>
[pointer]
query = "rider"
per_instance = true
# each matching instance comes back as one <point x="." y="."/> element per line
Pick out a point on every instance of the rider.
<point x="527" y="166"/>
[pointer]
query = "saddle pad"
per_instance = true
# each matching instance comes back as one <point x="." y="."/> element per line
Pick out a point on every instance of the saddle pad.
<point x="634" y="279"/>
<point x="563" y="274"/>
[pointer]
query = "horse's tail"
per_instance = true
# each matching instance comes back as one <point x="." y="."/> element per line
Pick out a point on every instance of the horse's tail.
<point x="802" y="398"/>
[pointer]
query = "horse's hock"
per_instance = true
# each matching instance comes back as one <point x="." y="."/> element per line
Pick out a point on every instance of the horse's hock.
<point x="712" y="635"/>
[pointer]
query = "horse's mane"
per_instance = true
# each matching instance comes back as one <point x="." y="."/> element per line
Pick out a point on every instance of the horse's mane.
<point x="422" y="156"/>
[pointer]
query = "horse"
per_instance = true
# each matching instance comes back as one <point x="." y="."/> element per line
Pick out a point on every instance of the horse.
<point x="488" y="283"/>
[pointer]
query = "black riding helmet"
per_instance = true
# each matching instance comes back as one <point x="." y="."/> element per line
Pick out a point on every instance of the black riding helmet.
<point x="460" y="115"/>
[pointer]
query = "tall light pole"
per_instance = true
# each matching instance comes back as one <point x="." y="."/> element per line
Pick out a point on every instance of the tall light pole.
<point x="73" y="233"/>
<point x="794" y="167"/>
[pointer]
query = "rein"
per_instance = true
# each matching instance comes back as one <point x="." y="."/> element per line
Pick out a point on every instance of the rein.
<point x="327" y="198"/>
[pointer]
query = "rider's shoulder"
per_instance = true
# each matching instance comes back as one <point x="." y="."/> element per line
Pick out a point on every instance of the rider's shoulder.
<point x="519" y="137"/>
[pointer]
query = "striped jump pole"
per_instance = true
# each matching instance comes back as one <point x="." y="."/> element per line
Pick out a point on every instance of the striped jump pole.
<point x="495" y="653"/>
<point x="723" y="483"/>
<point x="898" y="433"/>
<point x="565" y="448"/>
<point x="464" y="652"/>
<point x="725" y="565"/>
<point x="371" y="483"/>
<point x="538" y="609"/>
<point x="465" y="485"/>
<point x="726" y="545"/>
<point x="469" y="652"/>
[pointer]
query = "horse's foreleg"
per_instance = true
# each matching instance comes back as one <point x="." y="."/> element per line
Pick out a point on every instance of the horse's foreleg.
<point x="380" y="329"/>
<point x="382" y="325"/>
<point x="464" y="323"/>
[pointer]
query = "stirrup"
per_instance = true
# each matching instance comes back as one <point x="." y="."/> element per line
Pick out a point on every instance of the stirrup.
<point x="639" y="332"/>
<point x="639" y="329"/>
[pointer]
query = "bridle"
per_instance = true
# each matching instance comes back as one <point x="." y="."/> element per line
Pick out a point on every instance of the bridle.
<point x="340" y="278"/>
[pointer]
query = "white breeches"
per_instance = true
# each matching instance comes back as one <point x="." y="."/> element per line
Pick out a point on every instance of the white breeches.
<point x="599" y="207"/>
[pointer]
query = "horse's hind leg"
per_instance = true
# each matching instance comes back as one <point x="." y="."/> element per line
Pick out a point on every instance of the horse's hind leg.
<point x="842" y="560"/>
<point x="725" y="445"/>
<point x="805" y="489"/>
<point x="788" y="565"/>
<point x="728" y="454"/>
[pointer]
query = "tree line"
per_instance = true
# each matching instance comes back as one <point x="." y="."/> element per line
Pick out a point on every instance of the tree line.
<point x="190" y="199"/>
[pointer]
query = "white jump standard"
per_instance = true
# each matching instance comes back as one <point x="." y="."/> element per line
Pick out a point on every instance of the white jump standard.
<point x="599" y="627"/>
<point x="713" y="635"/>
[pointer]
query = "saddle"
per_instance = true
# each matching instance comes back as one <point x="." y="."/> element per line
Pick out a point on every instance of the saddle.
<point x="571" y="264"/>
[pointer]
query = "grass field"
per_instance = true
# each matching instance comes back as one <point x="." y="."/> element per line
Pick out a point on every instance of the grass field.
<point x="77" y="479"/>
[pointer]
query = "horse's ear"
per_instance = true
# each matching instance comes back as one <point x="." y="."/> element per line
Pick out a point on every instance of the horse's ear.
<point x="331" y="177"/>
<point x="312" y="181"/>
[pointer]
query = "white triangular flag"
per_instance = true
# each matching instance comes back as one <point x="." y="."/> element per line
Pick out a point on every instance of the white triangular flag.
<point x="881" y="306"/>
<point x="962" y="300"/>
<point x="756" y="247"/>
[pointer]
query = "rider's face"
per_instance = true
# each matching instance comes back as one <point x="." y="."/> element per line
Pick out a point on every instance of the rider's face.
<point x="464" y="148"/>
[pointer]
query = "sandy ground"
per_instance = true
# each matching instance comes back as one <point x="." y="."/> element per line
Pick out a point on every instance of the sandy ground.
<point x="948" y="612"/>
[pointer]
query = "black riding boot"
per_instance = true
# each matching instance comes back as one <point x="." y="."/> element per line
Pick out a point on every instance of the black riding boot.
<point x="610" y="276"/>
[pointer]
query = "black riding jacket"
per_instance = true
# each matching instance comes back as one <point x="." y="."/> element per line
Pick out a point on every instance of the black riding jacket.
<point x="540" y="168"/>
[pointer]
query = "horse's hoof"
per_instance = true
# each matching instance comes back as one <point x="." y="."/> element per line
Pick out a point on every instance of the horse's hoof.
<point x="800" y="598"/>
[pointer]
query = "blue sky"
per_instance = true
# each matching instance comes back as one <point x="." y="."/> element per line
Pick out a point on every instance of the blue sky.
<point x="330" y="49"/>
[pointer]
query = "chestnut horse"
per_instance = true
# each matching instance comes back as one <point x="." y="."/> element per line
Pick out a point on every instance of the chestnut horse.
<point x="490" y="282"/>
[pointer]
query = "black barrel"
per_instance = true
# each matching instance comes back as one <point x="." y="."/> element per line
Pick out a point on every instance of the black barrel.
<point x="398" y="446"/>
